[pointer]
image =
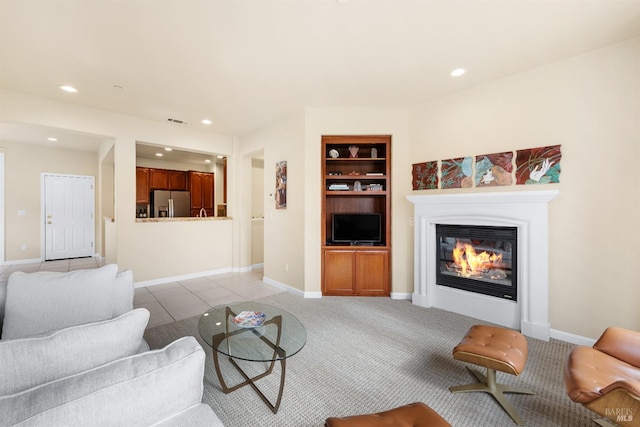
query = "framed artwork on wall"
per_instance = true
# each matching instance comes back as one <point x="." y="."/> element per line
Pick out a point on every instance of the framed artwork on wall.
<point x="281" y="185"/>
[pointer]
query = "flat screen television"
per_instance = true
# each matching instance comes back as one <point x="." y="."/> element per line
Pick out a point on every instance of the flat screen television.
<point x="356" y="228"/>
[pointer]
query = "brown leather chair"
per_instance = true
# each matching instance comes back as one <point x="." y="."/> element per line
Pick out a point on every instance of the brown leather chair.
<point x="415" y="414"/>
<point x="605" y="378"/>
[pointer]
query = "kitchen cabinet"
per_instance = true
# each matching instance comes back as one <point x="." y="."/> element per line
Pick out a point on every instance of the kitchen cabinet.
<point x="177" y="180"/>
<point x="158" y="179"/>
<point x="356" y="272"/>
<point x="201" y="186"/>
<point x="356" y="179"/>
<point x="142" y="186"/>
<point x="166" y="179"/>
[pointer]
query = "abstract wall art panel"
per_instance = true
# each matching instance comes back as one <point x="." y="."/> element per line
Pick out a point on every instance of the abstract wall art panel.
<point x="425" y="175"/>
<point x="457" y="173"/>
<point x="538" y="165"/>
<point x="494" y="169"/>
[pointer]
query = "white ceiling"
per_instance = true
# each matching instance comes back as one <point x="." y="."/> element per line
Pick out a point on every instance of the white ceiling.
<point x="244" y="64"/>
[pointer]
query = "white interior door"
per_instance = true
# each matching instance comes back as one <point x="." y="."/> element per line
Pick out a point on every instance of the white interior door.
<point x="69" y="216"/>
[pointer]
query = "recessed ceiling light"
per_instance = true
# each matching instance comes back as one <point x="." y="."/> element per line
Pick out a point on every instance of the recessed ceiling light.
<point x="207" y="161"/>
<point x="159" y="154"/>
<point x="457" y="72"/>
<point x="206" y="122"/>
<point x="221" y="157"/>
<point x="52" y="139"/>
<point x="168" y="149"/>
<point x="68" y="88"/>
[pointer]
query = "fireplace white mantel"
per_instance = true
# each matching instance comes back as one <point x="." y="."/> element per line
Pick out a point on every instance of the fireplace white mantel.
<point x="525" y="210"/>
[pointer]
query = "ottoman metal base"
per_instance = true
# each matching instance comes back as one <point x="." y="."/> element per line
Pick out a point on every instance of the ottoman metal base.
<point x="488" y="384"/>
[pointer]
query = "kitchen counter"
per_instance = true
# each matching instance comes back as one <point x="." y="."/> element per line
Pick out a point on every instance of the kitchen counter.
<point x="183" y="219"/>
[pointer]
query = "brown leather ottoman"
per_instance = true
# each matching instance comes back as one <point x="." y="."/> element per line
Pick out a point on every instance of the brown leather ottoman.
<point x="498" y="349"/>
<point x="413" y="415"/>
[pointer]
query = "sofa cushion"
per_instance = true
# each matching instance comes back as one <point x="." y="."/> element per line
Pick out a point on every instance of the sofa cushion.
<point x="143" y="389"/>
<point x="47" y="300"/>
<point x="27" y="362"/>
<point x="123" y="293"/>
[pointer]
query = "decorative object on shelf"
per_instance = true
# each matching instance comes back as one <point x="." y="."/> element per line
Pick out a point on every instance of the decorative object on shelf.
<point x="425" y="175"/>
<point x="353" y="150"/>
<point x="539" y="165"/>
<point x="249" y="319"/>
<point x="340" y="187"/>
<point x="333" y="153"/>
<point x="376" y="187"/>
<point x="494" y="169"/>
<point x="335" y="173"/>
<point x="357" y="186"/>
<point x="374" y="153"/>
<point x="354" y="173"/>
<point x="281" y="185"/>
<point x="456" y="173"/>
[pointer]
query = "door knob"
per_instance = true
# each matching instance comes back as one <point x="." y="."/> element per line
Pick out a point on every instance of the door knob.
<point x="48" y="222"/>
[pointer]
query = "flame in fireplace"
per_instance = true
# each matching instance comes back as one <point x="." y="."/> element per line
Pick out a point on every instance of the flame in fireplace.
<point x="469" y="263"/>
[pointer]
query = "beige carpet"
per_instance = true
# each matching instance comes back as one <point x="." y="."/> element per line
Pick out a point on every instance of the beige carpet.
<point x="371" y="354"/>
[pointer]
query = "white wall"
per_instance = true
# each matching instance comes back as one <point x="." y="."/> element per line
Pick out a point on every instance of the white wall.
<point x="284" y="231"/>
<point x="24" y="165"/>
<point x="589" y="104"/>
<point x="152" y="251"/>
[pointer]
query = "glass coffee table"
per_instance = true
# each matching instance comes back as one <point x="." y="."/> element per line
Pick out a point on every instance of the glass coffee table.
<point x="252" y="332"/>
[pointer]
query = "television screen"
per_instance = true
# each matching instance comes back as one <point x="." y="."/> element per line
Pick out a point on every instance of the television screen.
<point x="356" y="228"/>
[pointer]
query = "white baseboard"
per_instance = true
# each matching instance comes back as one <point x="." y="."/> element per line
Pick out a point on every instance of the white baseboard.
<point x="283" y="286"/>
<point x="572" y="338"/>
<point x="23" y="261"/>
<point x="163" y="280"/>
<point x="401" y="295"/>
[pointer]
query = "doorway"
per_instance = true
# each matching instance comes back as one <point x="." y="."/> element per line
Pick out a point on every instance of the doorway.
<point x="68" y="215"/>
<point x="257" y="211"/>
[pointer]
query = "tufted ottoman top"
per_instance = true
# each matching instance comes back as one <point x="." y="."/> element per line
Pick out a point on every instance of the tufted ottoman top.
<point x="494" y="348"/>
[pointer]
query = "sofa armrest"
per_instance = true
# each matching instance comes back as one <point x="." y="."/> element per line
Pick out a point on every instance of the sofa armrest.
<point x="623" y="344"/>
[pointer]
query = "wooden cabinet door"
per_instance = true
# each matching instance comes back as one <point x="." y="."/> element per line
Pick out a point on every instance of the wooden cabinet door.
<point x="142" y="186"/>
<point x="207" y="192"/>
<point x="177" y="180"/>
<point x="338" y="272"/>
<point x="372" y="273"/>
<point x="195" y="187"/>
<point x="158" y="179"/>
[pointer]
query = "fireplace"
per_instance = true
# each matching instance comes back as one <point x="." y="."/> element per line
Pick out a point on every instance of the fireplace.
<point x="523" y="217"/>
<point x="476" y="258"/>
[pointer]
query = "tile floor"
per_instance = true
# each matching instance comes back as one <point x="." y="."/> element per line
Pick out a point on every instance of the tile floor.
<point x="173" y="301"/>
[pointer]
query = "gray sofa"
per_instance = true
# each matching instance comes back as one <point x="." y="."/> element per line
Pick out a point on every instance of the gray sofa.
<point x="92" y="372"/>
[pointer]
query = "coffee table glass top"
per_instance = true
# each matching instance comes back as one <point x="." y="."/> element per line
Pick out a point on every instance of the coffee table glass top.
<point x="280" y="330"/>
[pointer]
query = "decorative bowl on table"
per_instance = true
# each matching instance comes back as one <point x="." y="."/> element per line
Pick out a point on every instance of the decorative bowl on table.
<point x="249" y="319"/>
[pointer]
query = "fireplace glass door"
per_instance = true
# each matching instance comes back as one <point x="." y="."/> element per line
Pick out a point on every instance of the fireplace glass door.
<point x="481" y="259"/>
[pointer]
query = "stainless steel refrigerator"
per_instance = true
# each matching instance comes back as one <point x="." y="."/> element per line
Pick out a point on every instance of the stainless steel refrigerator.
<point x="170" y="203"/>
